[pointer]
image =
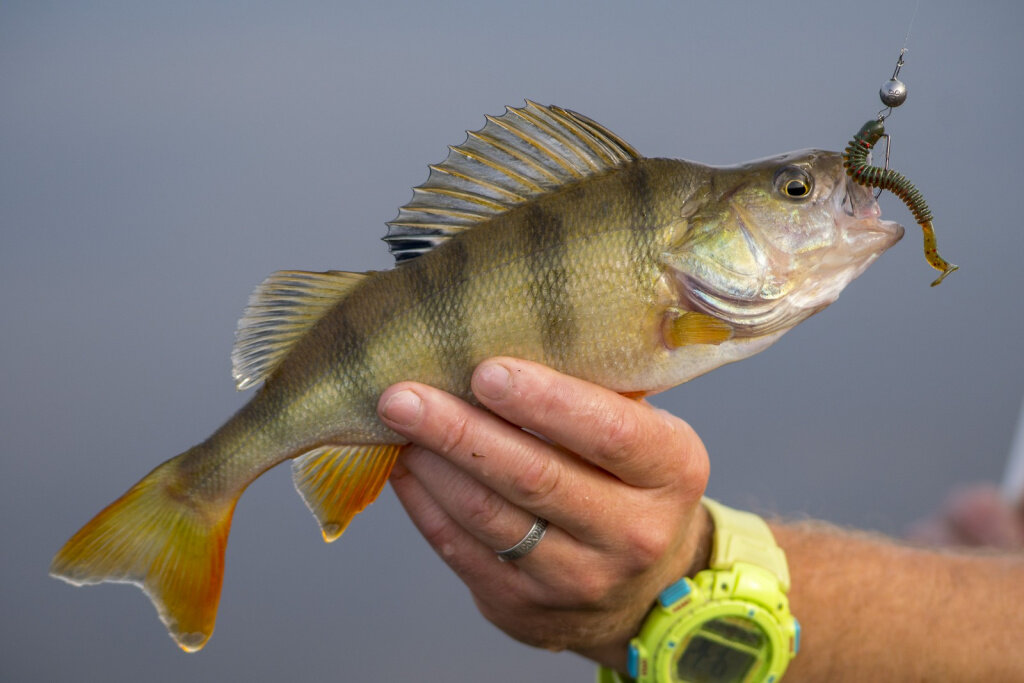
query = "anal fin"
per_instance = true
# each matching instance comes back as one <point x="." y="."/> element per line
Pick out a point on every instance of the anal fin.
<point x="338" y="482"/>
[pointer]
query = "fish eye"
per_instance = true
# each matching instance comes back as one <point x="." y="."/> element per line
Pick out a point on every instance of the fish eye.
<point x="794" y="183"/>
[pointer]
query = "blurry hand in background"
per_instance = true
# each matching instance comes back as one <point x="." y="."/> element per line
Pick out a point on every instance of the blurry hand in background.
<point x="975" y="516"/>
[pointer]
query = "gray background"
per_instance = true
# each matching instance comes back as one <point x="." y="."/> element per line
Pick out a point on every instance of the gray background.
<point x="157" y="160"/>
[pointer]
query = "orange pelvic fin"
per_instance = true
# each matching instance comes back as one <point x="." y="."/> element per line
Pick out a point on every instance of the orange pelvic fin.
<point x="163" y="540"/>
<point x="337" y="482"/>
<point x="635" y="395"/>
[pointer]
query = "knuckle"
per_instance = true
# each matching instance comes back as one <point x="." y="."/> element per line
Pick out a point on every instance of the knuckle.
<point x="484" y="508"/>
<point x="548" y="398"/>
<point x="456" y="435"/>
<point x="646" y="544"/>
<point x="622" y="435"/>
<point x="592" y="588"/>
<point x="698" y="472"/>
<point x="692" y="462"/>
<point x="439" y="535"/>
<point x="536" y="482"/>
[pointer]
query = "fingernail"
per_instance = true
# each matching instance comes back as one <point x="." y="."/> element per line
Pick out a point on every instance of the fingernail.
<point x="492" y="381"/>
<point x="402" y="408"/>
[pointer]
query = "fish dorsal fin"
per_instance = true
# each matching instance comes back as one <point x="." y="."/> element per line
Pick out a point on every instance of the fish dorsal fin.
<point x="526" y="152"/>
<point x="282" y="309"/>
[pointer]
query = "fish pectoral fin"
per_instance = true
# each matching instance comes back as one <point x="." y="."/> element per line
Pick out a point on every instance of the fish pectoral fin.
<point x="337" y="482"/>
<point x="168" y="544"/>
<point x="683" y="328"/>
<point x="281" y="310"/>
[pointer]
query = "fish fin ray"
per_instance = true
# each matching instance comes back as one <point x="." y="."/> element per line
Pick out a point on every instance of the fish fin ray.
<point x="526" y="152"/>
<point x="338" y="482"/>
<point x="168" y="544"/>
<point x="634" y="395"/>
<point x="609" y="146"/>
<point x="682" y="328"/>
<point x="281" y="310"/>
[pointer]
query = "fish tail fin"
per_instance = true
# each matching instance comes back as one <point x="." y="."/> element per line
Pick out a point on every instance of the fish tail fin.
<point x="163" y="539"/>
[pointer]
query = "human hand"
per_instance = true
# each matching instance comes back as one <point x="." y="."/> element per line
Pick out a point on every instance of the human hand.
<point x="621" y="491"/>
<point x="975" y="516"/>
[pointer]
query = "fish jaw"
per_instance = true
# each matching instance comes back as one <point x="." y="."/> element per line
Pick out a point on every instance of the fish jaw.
<point x="861" y="237"/>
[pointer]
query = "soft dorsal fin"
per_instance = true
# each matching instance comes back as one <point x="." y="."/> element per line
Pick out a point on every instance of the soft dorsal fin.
<point x="523" y="153"/>
<point x="281" y="309"/>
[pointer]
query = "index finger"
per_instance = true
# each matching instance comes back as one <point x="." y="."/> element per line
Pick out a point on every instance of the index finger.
<point x="639" y="444"/>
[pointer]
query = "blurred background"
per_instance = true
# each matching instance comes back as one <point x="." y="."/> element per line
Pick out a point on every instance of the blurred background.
<point x="158" y="160"/>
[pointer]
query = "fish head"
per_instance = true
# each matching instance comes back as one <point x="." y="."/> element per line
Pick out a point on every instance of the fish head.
<point x="774" y="241"/>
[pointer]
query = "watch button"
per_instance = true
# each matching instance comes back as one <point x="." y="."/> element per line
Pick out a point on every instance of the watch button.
<point x="674" y="593"/>
<point x="632" y="661"/>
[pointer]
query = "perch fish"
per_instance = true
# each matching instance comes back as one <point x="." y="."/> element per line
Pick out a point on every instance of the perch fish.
<point x="543" y="236"/>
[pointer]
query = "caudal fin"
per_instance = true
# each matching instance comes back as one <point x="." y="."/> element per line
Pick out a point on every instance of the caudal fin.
<point x="163" y="540"/>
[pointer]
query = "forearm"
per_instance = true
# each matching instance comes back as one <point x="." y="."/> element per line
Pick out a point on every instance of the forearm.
<point x="872" y="609"/>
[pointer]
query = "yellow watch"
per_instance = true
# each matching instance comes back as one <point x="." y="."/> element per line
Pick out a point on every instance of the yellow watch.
<point x="730" y="623"/>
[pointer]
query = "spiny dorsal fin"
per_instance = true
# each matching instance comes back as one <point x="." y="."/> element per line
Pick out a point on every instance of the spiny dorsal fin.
<point x="282" y="309"/>
<point x="338" y="482"/>
<point x="526" y="152"/>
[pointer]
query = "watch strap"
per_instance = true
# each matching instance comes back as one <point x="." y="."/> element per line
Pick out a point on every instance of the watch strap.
<point x="744" y="537"/>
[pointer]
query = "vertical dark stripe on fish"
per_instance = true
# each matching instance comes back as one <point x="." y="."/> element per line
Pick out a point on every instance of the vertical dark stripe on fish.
<point x="350" y="339"/>
<point x="638" y="183"/>
<point x="644" y="220"/>
<point x="547" y="261"/>
<point x="439" y="286"/>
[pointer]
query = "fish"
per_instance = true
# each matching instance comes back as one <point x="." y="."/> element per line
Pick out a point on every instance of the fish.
<point x="543" y="236"/>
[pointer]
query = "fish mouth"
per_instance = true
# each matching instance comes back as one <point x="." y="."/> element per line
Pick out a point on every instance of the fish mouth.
<point x="861" y="237"/>
<point x="858" y="217"/>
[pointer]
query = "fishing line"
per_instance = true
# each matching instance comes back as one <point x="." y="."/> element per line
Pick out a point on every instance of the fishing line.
<point x="906" y="38"/>
<point x="857" y="161"/>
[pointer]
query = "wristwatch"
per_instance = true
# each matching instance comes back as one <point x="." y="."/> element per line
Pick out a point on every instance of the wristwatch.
<point x="730" y="623"/>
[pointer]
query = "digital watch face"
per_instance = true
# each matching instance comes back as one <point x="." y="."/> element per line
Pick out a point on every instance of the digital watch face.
<point x="723" y="650"/>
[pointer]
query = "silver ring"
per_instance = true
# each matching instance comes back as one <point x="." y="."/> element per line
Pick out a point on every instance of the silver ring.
<point x="528" y="543"/>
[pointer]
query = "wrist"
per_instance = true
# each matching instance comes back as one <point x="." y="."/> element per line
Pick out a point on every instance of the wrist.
<point x="699" y="545"/>
<point x="691" y="557"/>
<point x="728" y="617"/>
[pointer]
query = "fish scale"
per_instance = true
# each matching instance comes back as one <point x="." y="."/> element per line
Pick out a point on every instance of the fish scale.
<point x="542" y="236"/>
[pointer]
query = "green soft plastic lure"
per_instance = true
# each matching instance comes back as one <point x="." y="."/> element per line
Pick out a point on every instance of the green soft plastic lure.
<point x="855" y="160"/>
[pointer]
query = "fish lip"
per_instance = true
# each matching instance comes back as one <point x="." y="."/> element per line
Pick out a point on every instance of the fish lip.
<point x="857" y="202"/>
